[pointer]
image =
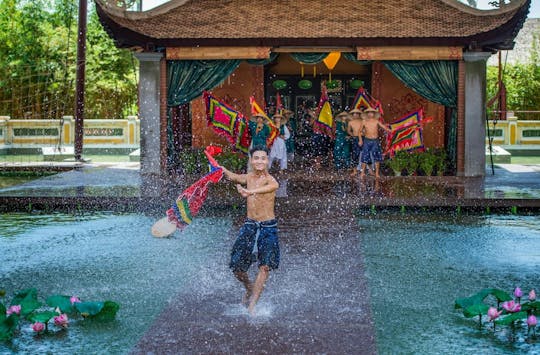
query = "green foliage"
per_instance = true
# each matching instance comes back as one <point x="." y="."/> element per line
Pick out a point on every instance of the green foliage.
<point x="38" y="63"/>
<point x="8" y="326"/>
<point x="233" y="161"/>
<point x="194" y="161"/>
<point x="28" y="301"/>
<point x="522" y="81"/>
<point x="398" y="162"/>
<point x="511" y="318"/>
<point x="62" y="302"/>
<point x="479" y="297"/>
<point x="42" y="317"/>
<point x="511" y="312"/>
<point x="427" y="161"/>
<point x="476" y="309"/>
<point x="33" y="311"/>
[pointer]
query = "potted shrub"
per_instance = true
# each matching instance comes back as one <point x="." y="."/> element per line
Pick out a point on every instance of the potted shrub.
<point x="412" y="163"/>
<point x="398" y="162"/>
<point x="428" y="161"/>
<point x="441" y="161"/>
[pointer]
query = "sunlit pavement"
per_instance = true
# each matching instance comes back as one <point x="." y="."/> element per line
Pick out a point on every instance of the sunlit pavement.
<point x="104" y="184"/>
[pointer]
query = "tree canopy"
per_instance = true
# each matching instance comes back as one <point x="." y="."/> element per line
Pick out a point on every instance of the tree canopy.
<point x="38" y="57"/>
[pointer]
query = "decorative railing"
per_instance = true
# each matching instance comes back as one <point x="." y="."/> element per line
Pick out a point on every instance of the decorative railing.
<point x="124" y="132"/>
<point x="513" y="132"/>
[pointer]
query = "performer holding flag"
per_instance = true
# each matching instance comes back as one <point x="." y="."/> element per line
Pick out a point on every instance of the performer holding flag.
<point x="323" y="128"/>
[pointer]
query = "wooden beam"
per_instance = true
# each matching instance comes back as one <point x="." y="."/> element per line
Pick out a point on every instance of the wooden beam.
<point x="209" y="53"/>
<point x="409" y="53"/>
<point x="313" y="49"/>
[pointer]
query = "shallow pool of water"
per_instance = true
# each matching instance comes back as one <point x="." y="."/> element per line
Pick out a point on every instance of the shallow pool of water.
<point x="101" y="257"/>
<point x="417" y="265"/>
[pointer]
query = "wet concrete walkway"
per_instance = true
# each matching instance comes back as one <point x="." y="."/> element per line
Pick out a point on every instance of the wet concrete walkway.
<point x="119" y="187"/>
<point x="316" y="302"/>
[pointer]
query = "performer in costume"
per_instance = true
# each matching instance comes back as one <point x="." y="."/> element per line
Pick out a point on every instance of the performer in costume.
<point x="371" y="147"/>
<point x="279" y="150"/>
<point x="259" y="130"/>
<point x="342" y="145"/>
<point x="354" y="129"/>
<point x="258" y="237"/>
<point x="291" y="126"/>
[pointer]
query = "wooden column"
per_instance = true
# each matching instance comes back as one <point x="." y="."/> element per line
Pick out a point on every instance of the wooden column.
<point x="163" y="116"/>
<point x="460" y="149"/>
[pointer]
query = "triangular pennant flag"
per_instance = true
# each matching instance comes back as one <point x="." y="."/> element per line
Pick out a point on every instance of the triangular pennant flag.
<point x="324" y="124"/>
<point x="279" y="104"/>
<point x="274" y="131"/>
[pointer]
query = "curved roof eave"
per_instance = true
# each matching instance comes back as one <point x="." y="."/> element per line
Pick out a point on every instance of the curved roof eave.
<point x="498" y="38"/>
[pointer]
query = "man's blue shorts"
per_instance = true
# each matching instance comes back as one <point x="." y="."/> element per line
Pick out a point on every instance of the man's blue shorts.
<point x="244" y="252"/>
<point x="371" y="151"/>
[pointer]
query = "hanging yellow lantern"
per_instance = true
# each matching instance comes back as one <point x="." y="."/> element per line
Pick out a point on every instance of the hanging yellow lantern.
<point x="331" y="60"/>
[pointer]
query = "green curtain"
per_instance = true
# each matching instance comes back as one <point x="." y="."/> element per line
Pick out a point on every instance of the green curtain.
<point x="437" y="81"/>
<point x="187" y="79"/>
<point x="269" y="60"/>
<point x="309" y="58"/>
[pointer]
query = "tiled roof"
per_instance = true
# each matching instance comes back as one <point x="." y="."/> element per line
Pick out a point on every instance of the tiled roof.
<point x="320" y="22"/>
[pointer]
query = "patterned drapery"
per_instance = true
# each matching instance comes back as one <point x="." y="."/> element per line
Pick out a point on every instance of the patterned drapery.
<point x="437" y="81"/>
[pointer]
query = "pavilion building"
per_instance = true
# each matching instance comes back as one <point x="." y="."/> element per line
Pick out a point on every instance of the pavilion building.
<point x="407" y="54"/>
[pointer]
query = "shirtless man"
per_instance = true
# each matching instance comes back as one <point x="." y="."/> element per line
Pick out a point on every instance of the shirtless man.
<point x="354" y="129"/>
<point x="371" y="148"/>
<point x="258" y="235"/>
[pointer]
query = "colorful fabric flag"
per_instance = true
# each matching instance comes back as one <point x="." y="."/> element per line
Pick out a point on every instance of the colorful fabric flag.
<point x="279" y="104"/>
<point x="406" y="133"/>
<point x="243" y="137"/>
<point x="221" y="117"/>
<point x="364" y="100"/>
<point x="324" y="124"/>
<point x="256" y="109"/>
<point x="188" y="204"/>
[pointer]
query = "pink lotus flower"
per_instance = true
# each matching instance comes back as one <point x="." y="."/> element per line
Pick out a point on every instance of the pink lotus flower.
<point x="74" y="299"/>
<point x="493" y="313"/>
<point x="61" y="320"/>
<point x="38" y="327"/>
<point x="14" y="309"/>
<point x="511" y="306"/>
<point x="531" y="321"/>
<point x="518" y="293"/>
<point x="532" y="295"/>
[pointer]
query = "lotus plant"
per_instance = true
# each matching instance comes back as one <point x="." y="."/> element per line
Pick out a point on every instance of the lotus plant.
<point x="511" y="306"/>
<point x="15" y="309"/>
<point x="27" y="307"/>
<point x="508" y="310"/>
<point x="518" y="294"/>
<point x="61" y="320"/>
<point x="531" y="323"/>
<point x="38" y="327"/>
